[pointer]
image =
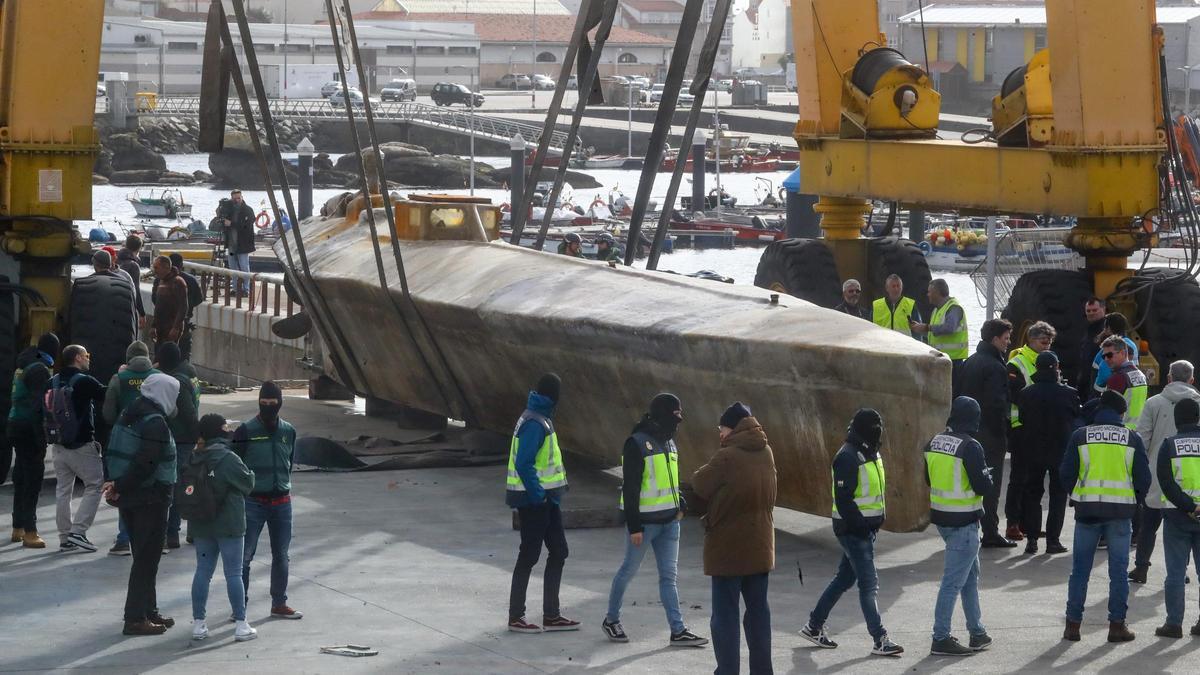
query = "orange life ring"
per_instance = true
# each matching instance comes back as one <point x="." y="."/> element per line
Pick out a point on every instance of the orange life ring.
<point x="598" y="202"/>
<point x="263" y="221"/>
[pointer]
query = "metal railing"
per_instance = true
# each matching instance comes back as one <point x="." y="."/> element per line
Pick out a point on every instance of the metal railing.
<point x="267" y="293"/>
<point x="455" y="120"/>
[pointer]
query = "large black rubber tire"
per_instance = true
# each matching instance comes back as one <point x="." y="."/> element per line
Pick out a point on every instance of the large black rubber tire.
<point x="1056" y="297"/>
<point x="8" y="353"/>
<point x="890" y="255"/>
<point x="102" y="319"/>
<point x="803" y="268"/>
<point x="1168" y="317"/>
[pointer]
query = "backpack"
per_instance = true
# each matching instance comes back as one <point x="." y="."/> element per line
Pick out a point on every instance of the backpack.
<point x="195" y="494"/>
<point x="195" y="294"/>
<point x="61" y="420"/>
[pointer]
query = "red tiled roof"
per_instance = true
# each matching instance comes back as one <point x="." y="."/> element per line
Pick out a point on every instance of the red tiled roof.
<point x="518" y="27"/>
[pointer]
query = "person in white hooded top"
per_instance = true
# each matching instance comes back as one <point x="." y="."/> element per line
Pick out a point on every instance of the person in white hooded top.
<point x="140" y="462"/>
<point x="1156" y="424"/>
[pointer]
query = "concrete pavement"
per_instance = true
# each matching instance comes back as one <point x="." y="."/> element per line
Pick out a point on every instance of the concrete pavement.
<point x="417" y="565"/>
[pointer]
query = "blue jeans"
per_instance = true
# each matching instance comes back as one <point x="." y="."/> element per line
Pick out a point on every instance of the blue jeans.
<point x="278" y="519"/>
<point x="183" y="456"/>
<point x="1087" y="535"/>
<point x="664" y="537"/>
<point x="122" y="531"/>
<point x="726" y="634"/>
<point x="240" y="261"/>
<point x="858" y="565"/>
<point x="1178" y="545"/>
<point x="230" y="550"/>
<point x="959" y="577"/>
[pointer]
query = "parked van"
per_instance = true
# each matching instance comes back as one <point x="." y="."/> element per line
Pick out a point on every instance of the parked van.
<point x="399" y="90"/>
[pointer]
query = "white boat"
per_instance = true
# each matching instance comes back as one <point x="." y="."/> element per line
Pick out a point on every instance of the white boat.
<point x="159" y="203"/>
<point x="602" y="162"/>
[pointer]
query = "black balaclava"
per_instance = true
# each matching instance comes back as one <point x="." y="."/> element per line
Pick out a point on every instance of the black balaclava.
<point x="169" y="357"/>
<point x="270" y="413"/>
<point x="666" y="412"/>
<point x="549" y="385"/>
<point x="867" y="426"/>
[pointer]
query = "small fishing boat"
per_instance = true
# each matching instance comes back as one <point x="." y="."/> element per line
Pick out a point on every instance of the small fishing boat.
<point x="159" y="203"/>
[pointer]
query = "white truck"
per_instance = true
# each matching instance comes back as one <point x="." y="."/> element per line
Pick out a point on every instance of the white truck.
<point x="301" y="80"/>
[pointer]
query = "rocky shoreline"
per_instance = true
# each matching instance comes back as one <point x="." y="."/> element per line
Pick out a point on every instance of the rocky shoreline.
<point x="135" y="157"/>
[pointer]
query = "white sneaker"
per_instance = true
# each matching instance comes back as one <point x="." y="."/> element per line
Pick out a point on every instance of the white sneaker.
<point x="243" y="631"/>
<point x="199" y="629"/>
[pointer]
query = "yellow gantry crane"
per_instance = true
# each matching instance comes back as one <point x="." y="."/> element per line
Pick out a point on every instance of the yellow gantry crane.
<point x="1079" y="131"/>
<point x="49" y="60"/>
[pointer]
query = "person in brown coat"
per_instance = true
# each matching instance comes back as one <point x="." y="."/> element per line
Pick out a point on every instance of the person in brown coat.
<point x="170" y="302"/>
<point x="738" y="486"/>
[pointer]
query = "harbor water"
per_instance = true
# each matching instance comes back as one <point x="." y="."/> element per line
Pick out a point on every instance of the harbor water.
<point x="114" y="213"/>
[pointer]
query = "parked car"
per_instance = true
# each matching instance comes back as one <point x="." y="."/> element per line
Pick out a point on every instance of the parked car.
<point x="542" y="82"/>
<point x="619" y="80"/>
<point x="329" y="88"/>
<point x="572" y="82"/>
<point x="514" y="81"/>
<point x="356" y="99"/>
<point x="449" y="93"/>
<point x="724" y="85"/>
<point x="643" y="82"/>
<point x="656" y="92"/>
<point x="399" y="90"/>
<point x="685" y="98"/>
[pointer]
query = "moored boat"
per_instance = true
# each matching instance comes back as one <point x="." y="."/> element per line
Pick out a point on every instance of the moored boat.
<point x="159" y="203"/>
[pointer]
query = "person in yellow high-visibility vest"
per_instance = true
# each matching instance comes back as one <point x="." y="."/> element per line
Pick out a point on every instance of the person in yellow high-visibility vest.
<point x="957" y="474"/>
<point x="1022" y="364"/>
<point x="653" y="507"/>
<point x="858" y="511"/>
<point x="1178" y="474"/>
<point x="894" y="311"/>
<point x="536" y="482"/>
<point x="1106" y="469"/>
<point x="947" y="327"/>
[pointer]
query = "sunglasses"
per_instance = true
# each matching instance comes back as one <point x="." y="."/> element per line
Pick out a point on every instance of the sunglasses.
<point x="1109" y="355"/>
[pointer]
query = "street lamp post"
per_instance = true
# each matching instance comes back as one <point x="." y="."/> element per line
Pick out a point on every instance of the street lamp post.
<point x="533" y="69"/>
<point x="471" y="117"/>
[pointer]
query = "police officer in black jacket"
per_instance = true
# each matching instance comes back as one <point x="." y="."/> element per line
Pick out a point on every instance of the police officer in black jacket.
<point x="1049" y="413"/>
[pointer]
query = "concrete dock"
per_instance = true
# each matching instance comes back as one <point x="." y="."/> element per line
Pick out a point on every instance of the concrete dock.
<point x="417" y="564"/>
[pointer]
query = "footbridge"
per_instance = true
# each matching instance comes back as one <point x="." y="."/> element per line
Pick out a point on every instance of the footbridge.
<point x="435" y="117"/>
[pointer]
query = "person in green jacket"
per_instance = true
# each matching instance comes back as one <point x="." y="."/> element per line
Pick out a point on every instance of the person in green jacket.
<point x="225" y="534"/>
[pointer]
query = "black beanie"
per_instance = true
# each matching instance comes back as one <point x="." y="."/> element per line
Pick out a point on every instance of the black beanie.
<point x="549" y="385"/>
<point x="1047" y="360"/>
<point x="1113" y="401"/>
<point x="271" y="390"/>
<point x="868" y="426"/>
<point x="168" y="356"/>
<point x="663" y="407"/>
<point x="212" y="426"/>
<point x="734" y="414"/>
<point x="1187" y="412"/>
<point x="48" y="344"/>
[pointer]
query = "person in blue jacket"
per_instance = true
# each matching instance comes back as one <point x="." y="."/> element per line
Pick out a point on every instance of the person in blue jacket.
<point x="535" y="484"/>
